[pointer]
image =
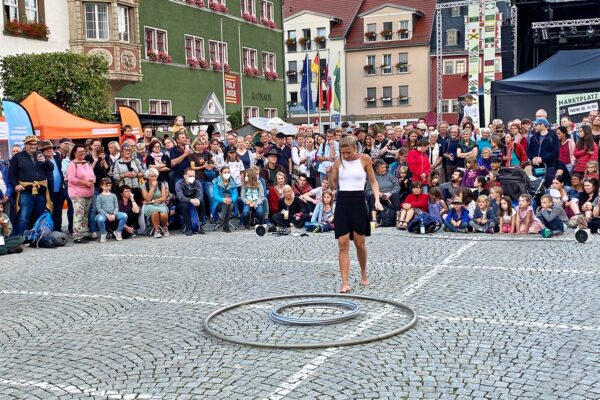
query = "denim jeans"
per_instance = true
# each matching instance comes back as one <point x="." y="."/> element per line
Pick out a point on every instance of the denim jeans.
<point x="207" y="188"/>
<point x="452" y="228"/>
<point x="57" y="209"/>
<point x="69" y="209"/>
<point x="92" y="213"/>
<point x="260" y="214"/>
<point x="30" y="209"/>
<point x="101" y="219"/>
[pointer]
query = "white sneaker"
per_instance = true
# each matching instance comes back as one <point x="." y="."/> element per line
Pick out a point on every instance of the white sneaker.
<point x="118" y="236"/>
<point x="165" y="232"/>
<point x="95" y="235"/>
<point x="157" y="235"/>
<point x="103" y="238"/>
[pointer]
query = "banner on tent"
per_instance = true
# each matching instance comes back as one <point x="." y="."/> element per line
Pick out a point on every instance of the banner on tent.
<point x="19" y="123"/>
<point x="575" y="106"/>
<point x="128" y="117"/>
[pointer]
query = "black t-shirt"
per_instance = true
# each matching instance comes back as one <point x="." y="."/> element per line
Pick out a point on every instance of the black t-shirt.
<point x="285" y="155"/>
<point x="199" y="160"/>
<point x="391" y="145"/>
<point x="99" y="170"/>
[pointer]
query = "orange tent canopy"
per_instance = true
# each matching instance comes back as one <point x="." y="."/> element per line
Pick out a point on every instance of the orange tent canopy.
<point x="53" y="122"/>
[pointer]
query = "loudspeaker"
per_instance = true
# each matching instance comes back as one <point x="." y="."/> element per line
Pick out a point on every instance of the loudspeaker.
<point x="582" y="235"/>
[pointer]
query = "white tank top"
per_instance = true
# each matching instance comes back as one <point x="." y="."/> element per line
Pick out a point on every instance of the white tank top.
<point x="352" y="176"/>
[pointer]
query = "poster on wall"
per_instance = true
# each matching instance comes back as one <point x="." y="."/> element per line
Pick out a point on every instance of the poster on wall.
<point x="576" y="106"/>
<point x="232" y="89"/>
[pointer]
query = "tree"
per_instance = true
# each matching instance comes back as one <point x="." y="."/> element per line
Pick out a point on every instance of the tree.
<point x="75" y="82"/>
<point x="235" y="119"/>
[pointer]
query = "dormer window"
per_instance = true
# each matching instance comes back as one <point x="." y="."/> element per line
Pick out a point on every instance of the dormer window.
<point x="371" y="33"/>
<point x="387" y="33"/>
<point x="403" y="31"/>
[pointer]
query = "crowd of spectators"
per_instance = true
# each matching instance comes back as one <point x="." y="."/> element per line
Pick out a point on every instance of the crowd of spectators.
<point x="150" y="186"/>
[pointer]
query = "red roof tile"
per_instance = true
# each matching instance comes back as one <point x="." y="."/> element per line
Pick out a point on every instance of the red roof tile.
<point x="422" y="29"/>
<point x="344" y="10"/>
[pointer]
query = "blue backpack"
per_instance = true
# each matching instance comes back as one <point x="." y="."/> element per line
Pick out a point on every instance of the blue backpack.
<point x="431" y="224"/>
<point x="42" y="228"/>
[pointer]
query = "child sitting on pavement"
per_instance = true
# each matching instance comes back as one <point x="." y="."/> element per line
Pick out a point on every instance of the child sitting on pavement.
<point x="457" y="219"/>
<point x="552" y="215"/>
<point x="484" y="219"/>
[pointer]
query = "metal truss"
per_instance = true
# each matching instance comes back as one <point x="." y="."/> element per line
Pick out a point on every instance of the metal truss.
<point x="565" y="23"/>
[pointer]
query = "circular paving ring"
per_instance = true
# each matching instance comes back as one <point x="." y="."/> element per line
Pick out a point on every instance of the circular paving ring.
<point x="351" y="310"/>
<point x="348" y="342"/>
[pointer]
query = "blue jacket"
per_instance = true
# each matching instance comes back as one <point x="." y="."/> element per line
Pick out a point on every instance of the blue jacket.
<point x="50" y="174"/>
<point x="317" y="215"/>
<point x="9" y="187"/>
<point x="454" y="216"/>
<point x="23" y="169"/>
<point x="545" y="147"/>
<point x="220" y="192"/>
<point x="489" y="214"/>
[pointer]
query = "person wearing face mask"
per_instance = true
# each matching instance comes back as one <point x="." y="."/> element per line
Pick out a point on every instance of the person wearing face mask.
<point x="189" y="202"/>
<point x="225" y="196"/>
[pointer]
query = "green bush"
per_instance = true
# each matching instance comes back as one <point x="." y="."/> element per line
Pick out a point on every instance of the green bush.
<point x="75" y="82"/>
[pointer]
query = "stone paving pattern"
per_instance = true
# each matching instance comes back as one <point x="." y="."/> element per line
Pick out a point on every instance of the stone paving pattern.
<point x="506" y="319"/>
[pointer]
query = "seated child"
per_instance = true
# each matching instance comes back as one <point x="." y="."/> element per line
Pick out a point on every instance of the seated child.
<point x="496" y="194"/>
<point x="457" y="219"/>
<point x="527" y="222"/>
<point x="484" y="219"/>
<point x="507" y="216"/>
<point x="553" y="216"/>
<point x="437" y="206"/>
<point x="322" y="217"/>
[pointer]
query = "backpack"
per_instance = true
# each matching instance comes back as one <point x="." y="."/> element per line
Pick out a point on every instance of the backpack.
<point x="431" y="224"/>
<point x="387" y="217"/>
<point x="41" y="231"/>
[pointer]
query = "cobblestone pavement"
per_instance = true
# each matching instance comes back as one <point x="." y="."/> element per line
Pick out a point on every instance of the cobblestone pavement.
<point x="498" y="318"/>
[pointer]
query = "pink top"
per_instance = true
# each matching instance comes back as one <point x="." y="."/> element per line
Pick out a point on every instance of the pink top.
<point x="523" y="215"/>
<point x="75" y="172"/>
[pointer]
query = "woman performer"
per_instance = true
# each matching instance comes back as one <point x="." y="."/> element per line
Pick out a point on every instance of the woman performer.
<point x="349" y="175"/>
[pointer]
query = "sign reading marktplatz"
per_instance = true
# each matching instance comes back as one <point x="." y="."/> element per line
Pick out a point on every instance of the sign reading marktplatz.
<point x="576" y="105"/>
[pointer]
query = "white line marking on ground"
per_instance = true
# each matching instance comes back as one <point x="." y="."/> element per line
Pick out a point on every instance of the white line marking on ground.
<point x="219" y="258"/>
<point x="308" y="370"/>
<point x="513" y="322"/>
<point x="71" y="389"/>
<point x="526" y="269"/>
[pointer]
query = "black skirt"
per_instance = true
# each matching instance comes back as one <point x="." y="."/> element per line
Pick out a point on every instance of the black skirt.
<point x="351" y="214"/>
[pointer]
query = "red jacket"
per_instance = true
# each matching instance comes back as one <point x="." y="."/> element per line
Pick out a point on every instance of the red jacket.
<point x="582" y="158"/>
<point x="421" y="201"/>
<point x="418" y="163"/>
<point x="519" y="151"/>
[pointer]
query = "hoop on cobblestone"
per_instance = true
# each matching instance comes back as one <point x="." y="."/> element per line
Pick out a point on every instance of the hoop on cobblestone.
<point x="411" y="315"/>
<point x="349" y="310"/>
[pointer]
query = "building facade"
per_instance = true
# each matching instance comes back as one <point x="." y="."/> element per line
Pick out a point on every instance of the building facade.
<point x="387" y="54"/>
<point x="455" y="60"/>
<point x="233" y="48"/>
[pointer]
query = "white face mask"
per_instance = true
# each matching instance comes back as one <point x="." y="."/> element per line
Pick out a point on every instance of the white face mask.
<point x="226" y="175"/>
<point x="246" y="179"/>
<point x="190" y="179"/>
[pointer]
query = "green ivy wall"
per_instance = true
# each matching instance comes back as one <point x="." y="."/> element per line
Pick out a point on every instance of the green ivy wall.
<point x="187" y="88"/>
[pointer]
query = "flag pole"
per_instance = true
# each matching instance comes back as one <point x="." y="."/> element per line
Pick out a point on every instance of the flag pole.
<point x="223" y="83"/>
<point x="241" y="73"/>
<point x="320" y="90"/>
<point x="307" y="91"/>
<point x="328" y="83"/>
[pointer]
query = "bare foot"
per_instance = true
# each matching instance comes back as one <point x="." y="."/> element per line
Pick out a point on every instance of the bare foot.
<point x="364" y="281"/>
<point x="345" y="289"/>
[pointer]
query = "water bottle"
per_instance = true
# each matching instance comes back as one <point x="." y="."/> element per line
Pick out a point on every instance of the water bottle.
<point x="422" y="228"/>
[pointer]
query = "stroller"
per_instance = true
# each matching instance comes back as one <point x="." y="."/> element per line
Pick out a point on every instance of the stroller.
<point x="515" y="182"/>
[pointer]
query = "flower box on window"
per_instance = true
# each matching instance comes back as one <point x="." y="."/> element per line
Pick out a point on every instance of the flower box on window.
<point x="384" y="66"/>
<point x="369" y="69"/>
<point x="251" y="71"/>
<point x="152" y="55"/>
<point x="402" y="31"/>
<point x="271" y="75"/>
<point x="290" y="42"/>
<point x="320" y="39"/>
<point x="202" y="63"/>
<point x="35" y="30"/>
<point x="197" y="3"/>
<point x="369" y="99"/>
<point x="218" y="7"/>
<point x="303" y="40"/>
<point x="385" y="33"/>
<point x="192" y="62"/>
<point x="269" y="23"/>
<point x="370" y="34"/>
<point x="226" y="67"/>
<point x="216" y="66"/>
<point x="402" y="67"/>
<point x="250" y="17"/>
<point x="164" y="58"/>
<point x="386" y="99"/>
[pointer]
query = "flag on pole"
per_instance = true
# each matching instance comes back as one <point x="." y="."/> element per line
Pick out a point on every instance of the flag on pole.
<point x="337" y="95"/>
<point x="305" y="86"/>
<point x="329" y="88"/>
<point x="316" y="69"/>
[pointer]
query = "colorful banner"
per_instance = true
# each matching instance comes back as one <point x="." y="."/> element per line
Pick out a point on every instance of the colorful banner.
<point x="306" y="87"/>
<point x="130" y="117"/>
<point x="489" y="56"/>
<point x="19" y="122"/>
<point x="576" y="106"/>
<point x="337" y="93"/>
<point x="473" y="47"/>
<point x="232" y="89"/>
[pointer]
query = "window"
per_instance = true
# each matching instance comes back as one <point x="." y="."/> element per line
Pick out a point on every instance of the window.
<point x="386" y="100"/>
<point x="454" y="105"/>
<point x="372" y="29"/>
<point x="387" y="31"/>
<point x="194" y="47"/>
<point x="386" y="64"/>
<point x="218" y="53"/>
<point x="403" y="95"/>
<point x="455" y="11"/>
<point x="371" y="98"/>
<point x="459" y="67"/>
<point x="322" y="35"/>
<point x="248" y="7"/>
<point x="96" y="21"/>
<point x="31" y="10"/>
<point x="291" y="41"/>
<point x="307" y="38"/>
<point x="162" y="107"/>
<point x="266" y="10"/>
<point x="448" y="67"/>
<point x="11" y="10"/>
<point x="156" y="40"/>
<point x="123" y="26"/>
<point x="403" y="31"/>
<point x="136" y="104"/>
<point x="370" y="65"/>
<point x="294" y="98"/>
<point x="270" y="113"/>
<point x="249" y="57"/>
<point x="446" y="106"/>
<point x="451" y="37"/>
<point x="292" y="72"/>
<point x="250" y="112"/>
<point x="268" y="61"/>
<point x="498" y="64"/>
<point x="403" y="62"/>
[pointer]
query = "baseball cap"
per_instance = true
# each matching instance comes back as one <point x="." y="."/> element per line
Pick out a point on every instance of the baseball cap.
<point x="542" y="121"/>
<point x="422" y="126"/>
<point x="65" y="140"/>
